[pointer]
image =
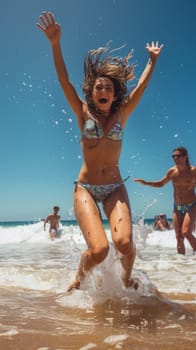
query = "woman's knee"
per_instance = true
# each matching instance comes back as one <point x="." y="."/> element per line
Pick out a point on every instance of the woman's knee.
<point x="98" y="254"/>
<point x="124" y="245"/>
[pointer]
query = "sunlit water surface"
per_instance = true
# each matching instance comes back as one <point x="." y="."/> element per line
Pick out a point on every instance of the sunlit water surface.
<point x="37" y="314"/>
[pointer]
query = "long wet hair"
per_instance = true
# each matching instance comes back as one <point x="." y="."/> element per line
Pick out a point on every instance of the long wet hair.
<point x="100" y="63"/>
<point x="184" y="151"/>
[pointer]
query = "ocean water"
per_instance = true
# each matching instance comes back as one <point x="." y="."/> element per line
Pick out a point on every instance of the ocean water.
<point x="37" y="314"/>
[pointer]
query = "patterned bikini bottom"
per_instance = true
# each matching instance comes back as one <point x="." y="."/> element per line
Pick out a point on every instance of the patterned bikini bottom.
<point x="101" y="192"/>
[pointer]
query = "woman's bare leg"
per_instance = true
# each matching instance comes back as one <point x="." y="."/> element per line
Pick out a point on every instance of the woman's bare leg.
<point x="90" y="222"/>
<point x="117" y="209"/>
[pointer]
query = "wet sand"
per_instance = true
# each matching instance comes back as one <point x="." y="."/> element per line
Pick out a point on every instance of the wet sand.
<point x="35" y="320"/>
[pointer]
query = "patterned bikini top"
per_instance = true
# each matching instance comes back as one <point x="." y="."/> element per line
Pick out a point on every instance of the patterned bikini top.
<point x="93" y="131"/>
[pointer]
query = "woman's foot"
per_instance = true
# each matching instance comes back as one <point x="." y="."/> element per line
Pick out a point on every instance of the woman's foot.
<point x="73" y="285"/>
<point x="132" y="282"/>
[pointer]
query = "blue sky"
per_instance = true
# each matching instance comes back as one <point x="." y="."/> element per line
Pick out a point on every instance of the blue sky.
<point x="40" y="154"/>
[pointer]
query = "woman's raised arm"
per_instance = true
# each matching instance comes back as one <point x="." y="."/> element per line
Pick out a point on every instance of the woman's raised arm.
<point x="52" y="30"/>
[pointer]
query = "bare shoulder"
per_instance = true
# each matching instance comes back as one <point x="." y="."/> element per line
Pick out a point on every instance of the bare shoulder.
<point x="83" y="116"/>
<point x="193" y="168"/>
<point x="85" y="111"/>
<point x="193" y="171"/>
<point x="50" y="216"/>
<point x="122" y="114"/>
<point x="171" y="172"/>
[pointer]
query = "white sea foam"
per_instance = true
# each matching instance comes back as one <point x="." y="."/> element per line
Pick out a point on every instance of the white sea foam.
<point x="35" y="233"/>
<point x="30" y="260"/>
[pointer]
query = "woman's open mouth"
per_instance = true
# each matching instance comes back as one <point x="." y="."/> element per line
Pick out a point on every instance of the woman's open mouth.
<point x="103" y="100"/>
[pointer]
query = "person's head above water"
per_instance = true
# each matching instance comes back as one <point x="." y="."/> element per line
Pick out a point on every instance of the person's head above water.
<point x="181" y="152"/>
<point x="104" y="71"/>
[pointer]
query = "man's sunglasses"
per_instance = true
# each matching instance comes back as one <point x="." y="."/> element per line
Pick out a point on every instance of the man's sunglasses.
<point x="178" y="155"/>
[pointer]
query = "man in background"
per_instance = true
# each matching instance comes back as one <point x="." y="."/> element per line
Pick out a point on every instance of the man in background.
<point x="183" y="178"/>
<point x="54" y="221"/>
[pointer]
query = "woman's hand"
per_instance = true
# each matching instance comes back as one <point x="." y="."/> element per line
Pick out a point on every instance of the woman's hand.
<point x="154" y="49"/>
<point x="51" y="29"/>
